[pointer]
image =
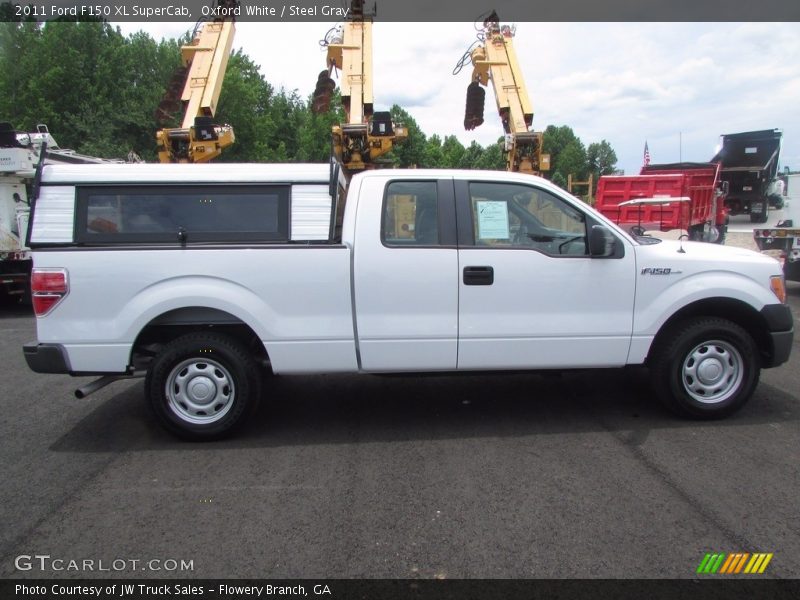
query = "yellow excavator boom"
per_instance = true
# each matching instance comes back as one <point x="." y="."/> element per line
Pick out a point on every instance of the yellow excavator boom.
<point x="365" y="136"/>
<point x="205" y="60"/>
<point x="495" y="61"/>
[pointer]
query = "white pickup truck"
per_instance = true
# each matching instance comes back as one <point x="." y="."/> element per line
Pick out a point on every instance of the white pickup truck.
<point x="209" y="277"/>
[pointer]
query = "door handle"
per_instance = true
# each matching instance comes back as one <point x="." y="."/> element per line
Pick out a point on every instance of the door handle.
<point x="478" y="275"/>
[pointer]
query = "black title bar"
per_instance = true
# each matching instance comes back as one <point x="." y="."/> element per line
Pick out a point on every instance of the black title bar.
<point x="279" y="11"/>
<point x="386" y="589"/>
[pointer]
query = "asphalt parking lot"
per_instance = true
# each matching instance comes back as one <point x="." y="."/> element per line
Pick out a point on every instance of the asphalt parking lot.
<point x="580" y="475"/>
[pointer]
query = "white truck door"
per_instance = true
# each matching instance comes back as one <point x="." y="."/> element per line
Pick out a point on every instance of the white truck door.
<point x="406" y="275"/>
<point x="530" y="294"/>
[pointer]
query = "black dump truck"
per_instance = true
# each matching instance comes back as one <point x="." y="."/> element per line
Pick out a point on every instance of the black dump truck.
<point x="749" y="163"/>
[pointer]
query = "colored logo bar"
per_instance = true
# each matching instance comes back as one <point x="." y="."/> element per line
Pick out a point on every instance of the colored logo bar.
<point x="734" y="563"/>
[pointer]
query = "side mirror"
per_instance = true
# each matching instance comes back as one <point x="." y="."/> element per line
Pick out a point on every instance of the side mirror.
<point x="602" y="243"/>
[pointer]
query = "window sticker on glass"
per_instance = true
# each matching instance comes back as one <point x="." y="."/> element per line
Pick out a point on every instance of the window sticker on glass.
<point x="492" y="220"/>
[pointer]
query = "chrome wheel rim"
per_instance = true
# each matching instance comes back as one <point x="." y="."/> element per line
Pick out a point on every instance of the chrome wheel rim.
<point x="200" y="391"/>
<point x="712" y="372"/>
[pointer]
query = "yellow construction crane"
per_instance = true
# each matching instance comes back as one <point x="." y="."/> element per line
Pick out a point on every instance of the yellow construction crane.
<point x="365" y="135"/>
<point x="199" y="83"/>
<point x="493" y="59"/>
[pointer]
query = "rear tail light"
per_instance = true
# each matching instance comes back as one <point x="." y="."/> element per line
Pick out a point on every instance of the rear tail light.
<point x="48" y="288"/>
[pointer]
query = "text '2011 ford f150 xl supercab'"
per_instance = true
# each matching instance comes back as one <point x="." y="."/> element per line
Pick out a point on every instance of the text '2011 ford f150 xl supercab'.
<point x="207" y="278"/>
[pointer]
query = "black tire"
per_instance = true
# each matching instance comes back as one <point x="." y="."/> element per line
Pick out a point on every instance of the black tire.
<point x="7" y="299"/>
<point x="726" y="353"/>
<point x="696" y="233"/>
<point x="723" y="232"/>
<point x="760" y="217"/>
<point x="776" y="201"/>
<point x="203" y="385"/>
<point x="27" y="296"/>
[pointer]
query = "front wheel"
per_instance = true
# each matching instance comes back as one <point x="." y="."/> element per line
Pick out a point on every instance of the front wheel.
<point x="201" y="386"/>
<point x="705" y="368"/>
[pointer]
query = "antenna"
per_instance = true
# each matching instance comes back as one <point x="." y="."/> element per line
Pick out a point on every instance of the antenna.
<point x="680" y="228"/>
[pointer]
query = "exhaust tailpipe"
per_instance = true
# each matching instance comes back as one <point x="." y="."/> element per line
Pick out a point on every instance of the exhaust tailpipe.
<point x="99" y="384"/>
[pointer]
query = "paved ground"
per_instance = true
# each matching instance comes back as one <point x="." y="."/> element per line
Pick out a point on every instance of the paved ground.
<point x="516" y="476"/>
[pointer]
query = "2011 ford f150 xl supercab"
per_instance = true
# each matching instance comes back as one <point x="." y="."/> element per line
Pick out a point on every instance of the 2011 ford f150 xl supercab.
<point x="209" y="277"/>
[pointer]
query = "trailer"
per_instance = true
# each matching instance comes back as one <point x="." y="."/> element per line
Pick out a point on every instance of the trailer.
<point x="785" y="236"/>
<point x="749" y="163"/>
<point x="666" y="197"/>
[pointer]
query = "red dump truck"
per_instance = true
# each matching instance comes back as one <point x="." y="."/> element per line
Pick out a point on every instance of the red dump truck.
<point x="665" y="197"/>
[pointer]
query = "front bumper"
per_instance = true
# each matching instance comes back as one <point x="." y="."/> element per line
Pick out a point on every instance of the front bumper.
<point x="46" y="358"/>
<point x="780" y="327"/>
<point x="781" y="348"/>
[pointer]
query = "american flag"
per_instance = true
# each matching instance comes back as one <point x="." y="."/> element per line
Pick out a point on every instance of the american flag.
<point x="646" y="154"/>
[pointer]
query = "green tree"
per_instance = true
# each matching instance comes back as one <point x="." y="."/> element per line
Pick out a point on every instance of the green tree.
<point x="314" y="141"/>
<point x="94" y="88"/>
<point x="493" y="158"/>
<point x="411" y="151"/>
<point x="267" y="124"/>
<point x="601" y="158"/>
<point x="433" y="157"/>
<point x="555" y="141"/>
<point x="572" y="161"/>
<point x="452" y="152"/>
<point x="559" y="180"/>
<point x="471" y="157"/>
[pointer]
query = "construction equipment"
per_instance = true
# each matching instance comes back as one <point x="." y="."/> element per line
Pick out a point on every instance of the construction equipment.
<point x="20" y="155"/>
<point x="205" y="60"/>
<point x="493" y="59"/>
<point x="365" y="135"/>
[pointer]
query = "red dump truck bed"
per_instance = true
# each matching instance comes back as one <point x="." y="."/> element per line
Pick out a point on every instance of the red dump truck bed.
<point x="644" y="200"/>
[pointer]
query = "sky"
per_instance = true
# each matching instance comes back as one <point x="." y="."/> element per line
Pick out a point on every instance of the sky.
<point x="676" y="86"/>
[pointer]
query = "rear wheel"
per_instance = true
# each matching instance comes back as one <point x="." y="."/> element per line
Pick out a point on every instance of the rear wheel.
<point x="723" y="232"/>
<point x="7" y="299"/>
<point x="761" y="215"/>
<point x="705" y="368"/>
<point x="696" y="233"/>
<point x="201" y="386"/>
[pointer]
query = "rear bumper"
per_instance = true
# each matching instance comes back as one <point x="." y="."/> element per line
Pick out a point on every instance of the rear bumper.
<point x="780" y="326"/>
<point x="46" y="358"/>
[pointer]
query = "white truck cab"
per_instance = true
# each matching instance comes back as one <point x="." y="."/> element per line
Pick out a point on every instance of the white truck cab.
<point x="205" y="277"/>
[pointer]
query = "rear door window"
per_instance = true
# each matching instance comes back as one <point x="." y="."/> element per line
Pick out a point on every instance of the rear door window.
<point x="411" y="214"/>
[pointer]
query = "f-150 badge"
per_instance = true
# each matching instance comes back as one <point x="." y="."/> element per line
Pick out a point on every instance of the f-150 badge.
<point x="660" y="271"/>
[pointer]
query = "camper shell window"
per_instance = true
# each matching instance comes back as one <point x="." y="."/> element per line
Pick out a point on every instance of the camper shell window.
<point x="154" y="214"/>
